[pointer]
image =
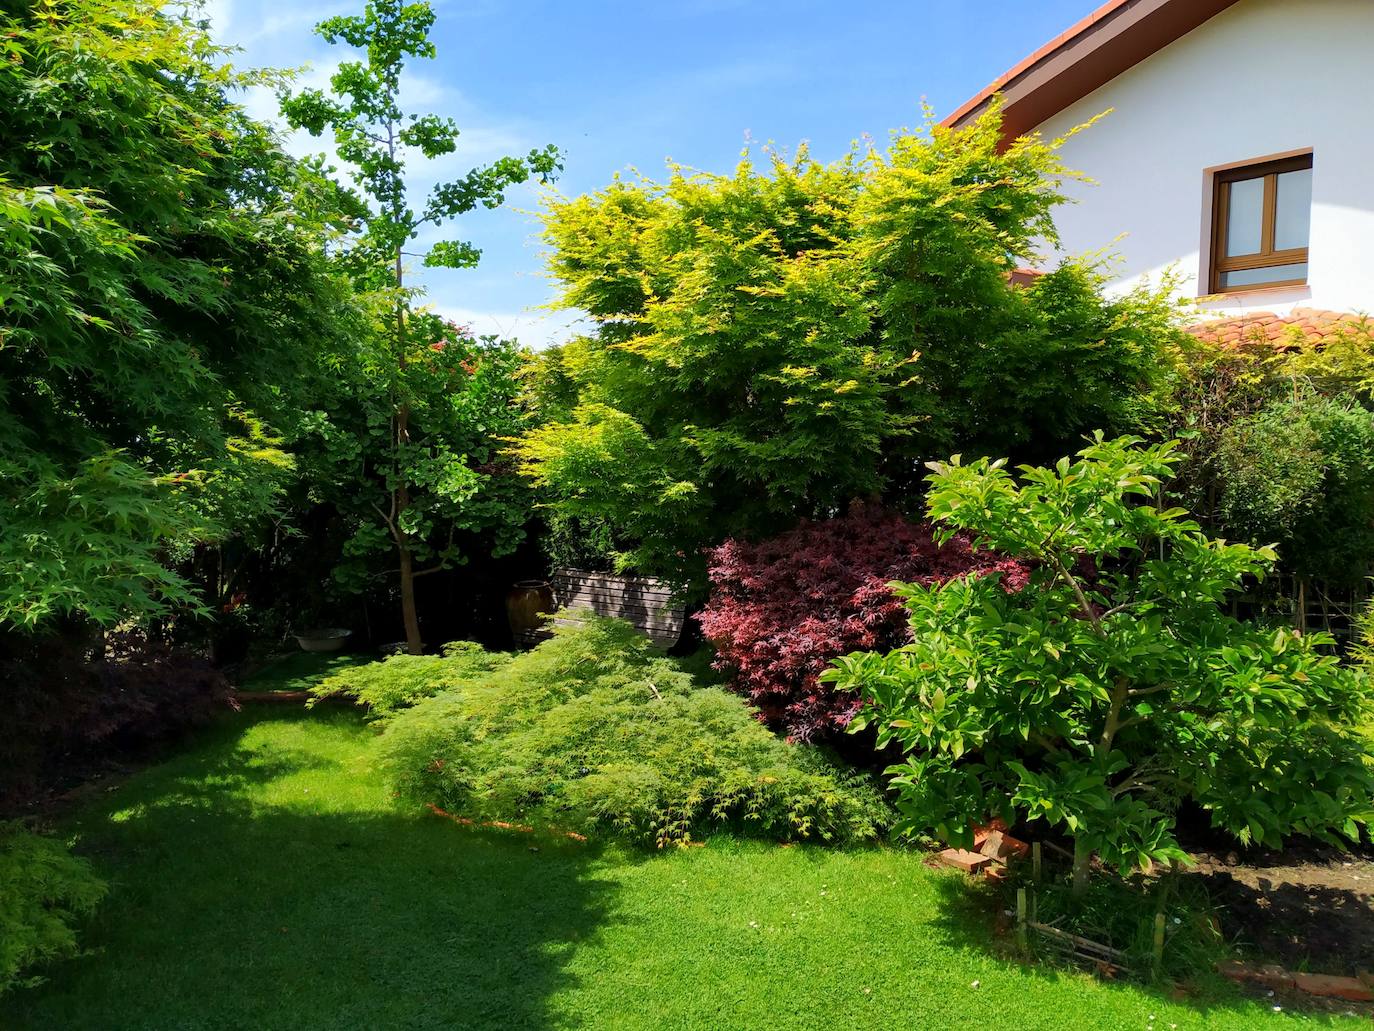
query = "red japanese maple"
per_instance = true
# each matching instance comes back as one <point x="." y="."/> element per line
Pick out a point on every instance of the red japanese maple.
<point x="782" y="609"/>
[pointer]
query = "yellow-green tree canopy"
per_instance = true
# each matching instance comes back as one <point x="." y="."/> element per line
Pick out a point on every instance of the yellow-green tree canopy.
<point x="775" y="342"/>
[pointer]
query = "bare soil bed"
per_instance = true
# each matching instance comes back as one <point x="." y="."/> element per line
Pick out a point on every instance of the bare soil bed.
<point x="1309" y="907"/>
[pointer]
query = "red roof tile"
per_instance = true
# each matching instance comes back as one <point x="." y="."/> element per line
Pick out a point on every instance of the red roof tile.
<point x="1314" y="325"/>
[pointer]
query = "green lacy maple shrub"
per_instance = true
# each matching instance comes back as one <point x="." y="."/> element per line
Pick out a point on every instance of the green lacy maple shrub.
<point x="44" y="892"/>
<point x="596" y="731"/>
<point x="399" y="681"/>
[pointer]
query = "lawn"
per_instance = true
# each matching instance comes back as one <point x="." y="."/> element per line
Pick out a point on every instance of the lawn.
<point x="265" y="879"/>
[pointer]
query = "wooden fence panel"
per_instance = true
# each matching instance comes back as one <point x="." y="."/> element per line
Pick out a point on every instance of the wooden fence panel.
<point x="639" y="600"/>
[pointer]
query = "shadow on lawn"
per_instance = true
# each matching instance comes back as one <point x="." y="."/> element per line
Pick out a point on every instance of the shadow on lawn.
<point x="225" y="912"/>
<point x="971" y="915"/>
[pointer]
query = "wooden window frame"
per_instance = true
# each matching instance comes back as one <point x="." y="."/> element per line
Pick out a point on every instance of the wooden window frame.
<point x="1267" y="256"/>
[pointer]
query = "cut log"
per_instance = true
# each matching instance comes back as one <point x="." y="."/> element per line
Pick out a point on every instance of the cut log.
<point x="1349" y="988"/>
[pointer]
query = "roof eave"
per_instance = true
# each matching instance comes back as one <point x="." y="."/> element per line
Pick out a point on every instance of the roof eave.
<point x="1115" y="37"/>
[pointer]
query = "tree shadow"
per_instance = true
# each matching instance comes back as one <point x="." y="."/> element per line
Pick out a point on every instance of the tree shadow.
<point x="975" y="915"/>
<point x="1324" y="928"/>
<point x="230" y="911"/>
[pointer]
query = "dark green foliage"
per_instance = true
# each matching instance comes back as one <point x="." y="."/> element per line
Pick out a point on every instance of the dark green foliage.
<point x="594" y="731"/>
<point x="779" y="341"/>
<point x="461" y="397"/>
<point x="1280" y="439"/>
<point x="399" y="681"/>
<point x="73" y="703"/>
<point x="1300" y="473"/>
<point x="44" y="892"/>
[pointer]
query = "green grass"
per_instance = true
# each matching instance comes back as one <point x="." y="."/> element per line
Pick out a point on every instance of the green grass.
<point x="265" y="879"/>
<point x="297" y="671"/>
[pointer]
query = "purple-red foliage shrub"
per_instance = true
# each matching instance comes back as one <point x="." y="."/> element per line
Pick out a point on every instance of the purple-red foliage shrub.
<point x="782" y="609"/>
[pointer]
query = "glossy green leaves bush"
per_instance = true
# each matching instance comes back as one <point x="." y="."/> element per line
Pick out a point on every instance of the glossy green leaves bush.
<point x="1114" y="687"/>
<point x="44" y="891"/>
<point x="595" y="731"/>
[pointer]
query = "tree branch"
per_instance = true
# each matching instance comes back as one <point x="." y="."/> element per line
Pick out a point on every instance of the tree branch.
<point x="390" y="525"/>
<point x="1109" y="729"/>
<point x="1120" y="608"/>
<point x="1147" y="782"/>
<point x="1083" y="603"/>
<point x="1141" y="692"/>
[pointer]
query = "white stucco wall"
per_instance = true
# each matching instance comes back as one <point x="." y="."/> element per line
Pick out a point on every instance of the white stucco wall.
<point x="1262" y="78"/>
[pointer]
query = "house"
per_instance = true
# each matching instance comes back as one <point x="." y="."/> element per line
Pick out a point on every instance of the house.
<point x="1239" y="150"/>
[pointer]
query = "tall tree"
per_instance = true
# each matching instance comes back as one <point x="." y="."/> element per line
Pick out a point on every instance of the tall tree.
<point x="775" y="342"/>
<point x="376" y="137"/>
<point x="163" y="293"/>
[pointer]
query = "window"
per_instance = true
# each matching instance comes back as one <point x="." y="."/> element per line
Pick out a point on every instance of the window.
<point x="1260" y="219"/>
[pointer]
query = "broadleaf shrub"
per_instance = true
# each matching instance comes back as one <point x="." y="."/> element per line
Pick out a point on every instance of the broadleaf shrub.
<point x="399" y="681"/>
<point x="1115" y="689"/>
<point x="44" y="891"/>
<point x="596" y="731"/>
<point x="783" y="609"/>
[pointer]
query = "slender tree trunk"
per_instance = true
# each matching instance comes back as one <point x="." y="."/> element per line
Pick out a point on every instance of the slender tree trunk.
<point x="1082" y="857"/>
<point x="414" y="645"/>
<point x="409" y="616"/>
<point x="1082" y="854"/>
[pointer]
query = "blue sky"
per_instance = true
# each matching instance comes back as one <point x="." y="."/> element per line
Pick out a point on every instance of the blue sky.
<point x="620" y="85"/>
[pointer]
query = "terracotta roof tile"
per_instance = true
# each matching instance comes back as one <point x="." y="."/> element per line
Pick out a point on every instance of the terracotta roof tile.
<point x="1315" y="325"/>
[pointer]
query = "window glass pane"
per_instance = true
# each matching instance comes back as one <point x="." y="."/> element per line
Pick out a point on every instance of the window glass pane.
<point x="1257" y="276"/>
<point x="1244" y="215"/>
<point x="1293" y="216"/>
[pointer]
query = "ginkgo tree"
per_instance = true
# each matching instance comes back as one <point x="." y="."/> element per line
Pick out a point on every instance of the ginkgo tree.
<point x="1114" y="688"/>
<point x="376" y="137"/>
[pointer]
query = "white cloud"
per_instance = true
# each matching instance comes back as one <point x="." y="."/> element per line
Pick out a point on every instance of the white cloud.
<point x="420" y="91"/>
<point x="535" y="329"/>
<point x="296" y="20"/>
